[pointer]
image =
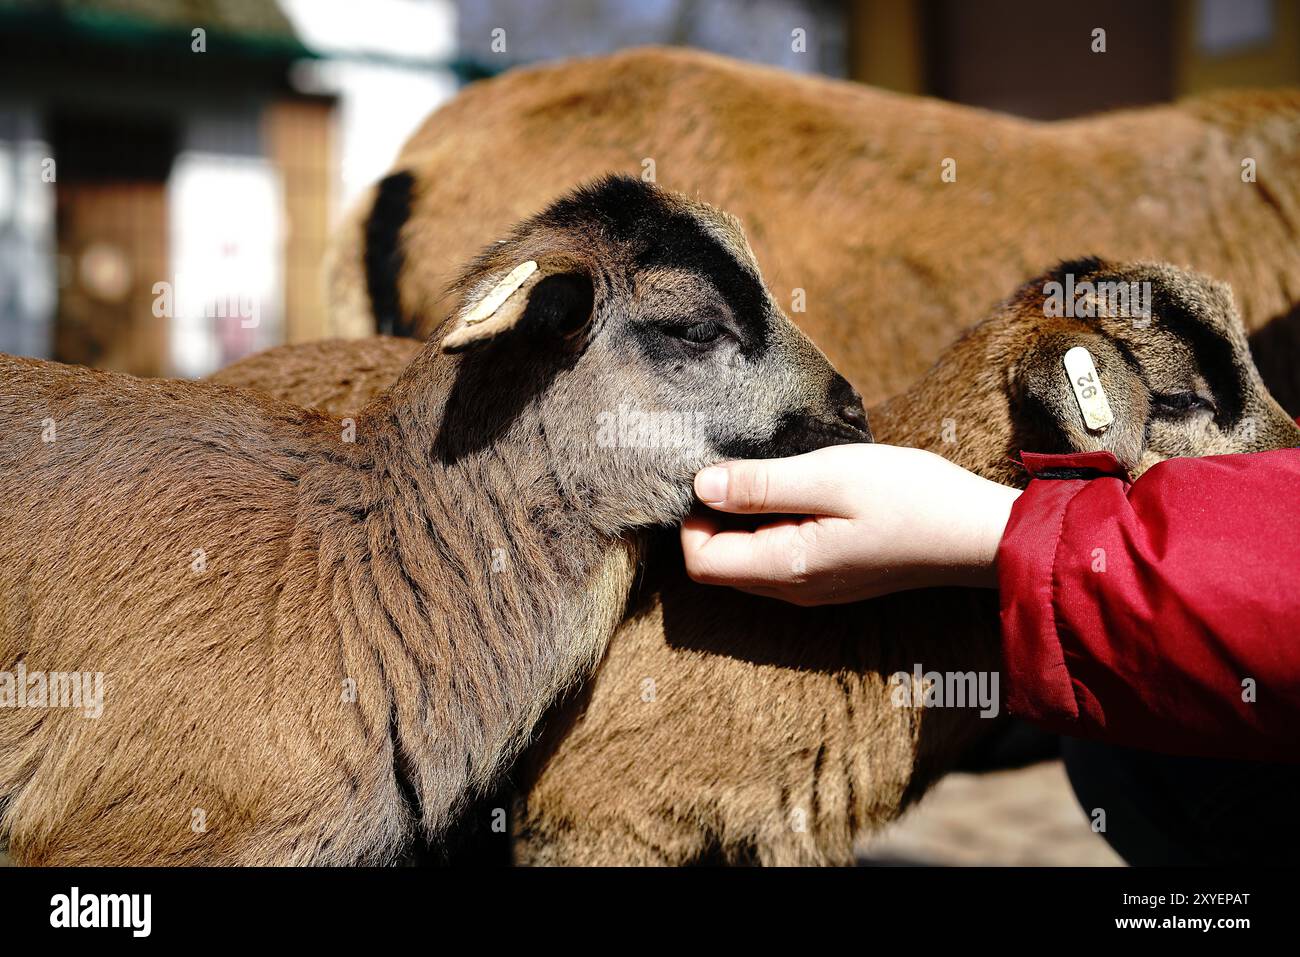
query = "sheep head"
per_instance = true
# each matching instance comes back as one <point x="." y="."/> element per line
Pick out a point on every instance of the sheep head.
<point x="654" y="347"/>
<point x="1174" y="375"/>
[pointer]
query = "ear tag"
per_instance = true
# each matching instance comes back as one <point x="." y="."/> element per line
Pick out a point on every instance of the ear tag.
<point x="502" y="291"/>
<point x="1087" y="390"/>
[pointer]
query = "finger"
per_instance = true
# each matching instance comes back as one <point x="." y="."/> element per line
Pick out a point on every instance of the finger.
<point x="804" y="484"/>
<point x="698" y="527"/>
<point x="738" y="558"/>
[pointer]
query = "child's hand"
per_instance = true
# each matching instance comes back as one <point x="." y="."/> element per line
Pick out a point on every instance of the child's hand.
<point x="876" y="519"/>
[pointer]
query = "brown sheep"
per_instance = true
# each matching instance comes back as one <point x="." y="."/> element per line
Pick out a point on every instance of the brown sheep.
<point x="841" y="190"/>
<point x="727" y="727"/>
<point x="315" y="636"/>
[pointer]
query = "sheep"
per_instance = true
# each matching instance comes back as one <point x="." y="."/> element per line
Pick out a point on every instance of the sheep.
<point x="316" y="637"/>
<point x="731" y="728"/>
<point x="876" y="252"/>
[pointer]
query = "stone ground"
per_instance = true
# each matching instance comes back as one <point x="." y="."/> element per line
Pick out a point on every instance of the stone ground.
<point x="1027" y="816"/>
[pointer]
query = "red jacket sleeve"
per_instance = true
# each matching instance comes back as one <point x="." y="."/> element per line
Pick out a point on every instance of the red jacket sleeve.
<point x="1162" y="614"/>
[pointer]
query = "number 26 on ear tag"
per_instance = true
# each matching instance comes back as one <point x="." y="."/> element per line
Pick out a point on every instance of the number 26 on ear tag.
<point x="1087" y="389"/>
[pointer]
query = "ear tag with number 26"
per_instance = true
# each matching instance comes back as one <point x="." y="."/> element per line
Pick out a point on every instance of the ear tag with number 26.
<point x="1087" y="389"/>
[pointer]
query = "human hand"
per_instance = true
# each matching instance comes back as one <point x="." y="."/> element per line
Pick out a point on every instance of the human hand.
<point x="867" y="520"/>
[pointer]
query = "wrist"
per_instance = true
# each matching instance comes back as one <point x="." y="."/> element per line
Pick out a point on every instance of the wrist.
<point x="968" y="558"/>
<point x="992" y="517"/>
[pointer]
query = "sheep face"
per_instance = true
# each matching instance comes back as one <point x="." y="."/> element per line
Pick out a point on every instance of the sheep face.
<point x="1170" y="354"/>
<point x="664" y="350"/>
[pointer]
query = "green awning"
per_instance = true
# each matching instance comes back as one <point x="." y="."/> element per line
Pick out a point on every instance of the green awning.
<point x="255" y="29"/>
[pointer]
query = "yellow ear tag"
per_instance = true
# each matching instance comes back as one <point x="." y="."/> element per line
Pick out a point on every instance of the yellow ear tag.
<point x="1087" y="389"/>
<point x="502" y="291"/>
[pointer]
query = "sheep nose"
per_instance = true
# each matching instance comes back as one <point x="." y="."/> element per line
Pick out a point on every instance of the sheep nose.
<point x="853" y="416"/>
<point x="847" y="403"/>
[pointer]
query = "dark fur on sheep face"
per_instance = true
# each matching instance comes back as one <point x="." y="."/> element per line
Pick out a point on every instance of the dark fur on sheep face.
<point x="662" y="351"/>
<point x="1175" y="360"/>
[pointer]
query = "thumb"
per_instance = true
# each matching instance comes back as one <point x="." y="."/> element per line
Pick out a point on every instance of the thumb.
<point x="816" y="483"/>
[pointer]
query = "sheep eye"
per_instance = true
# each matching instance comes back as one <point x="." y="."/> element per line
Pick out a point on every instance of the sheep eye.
<point x="1177" y="404"/>
<point x="697" y="332"/>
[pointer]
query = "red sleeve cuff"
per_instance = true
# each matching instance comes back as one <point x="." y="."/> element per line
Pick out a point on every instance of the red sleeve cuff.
<point x="1038" y="683"/>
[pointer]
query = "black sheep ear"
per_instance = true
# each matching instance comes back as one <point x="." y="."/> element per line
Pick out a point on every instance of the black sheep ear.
<point x="1093" y="402"/>
<point x="549" y="301"/>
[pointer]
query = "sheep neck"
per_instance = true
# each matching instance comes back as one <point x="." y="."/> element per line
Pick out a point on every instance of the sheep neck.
<point x="960" y="409"/>
<point x="496" y="590"/>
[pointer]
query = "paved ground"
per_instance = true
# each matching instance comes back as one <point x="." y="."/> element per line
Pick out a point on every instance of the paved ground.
<point x="1027" y="816"/>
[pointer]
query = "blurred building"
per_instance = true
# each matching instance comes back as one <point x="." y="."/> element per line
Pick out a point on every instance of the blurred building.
<point x="1031" y="57"/>
<point x="1038" y="59"/>
<point x="496" y="33"/>
<point x="170" y="169"/>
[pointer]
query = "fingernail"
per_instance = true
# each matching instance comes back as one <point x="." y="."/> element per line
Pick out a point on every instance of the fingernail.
<point x="711" y="485"/>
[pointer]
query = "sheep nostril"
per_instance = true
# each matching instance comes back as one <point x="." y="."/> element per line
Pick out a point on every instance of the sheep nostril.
<point x="856" y="418"/>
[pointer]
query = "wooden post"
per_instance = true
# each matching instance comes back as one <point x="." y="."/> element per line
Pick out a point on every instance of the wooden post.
<point x="300" y="142"/>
